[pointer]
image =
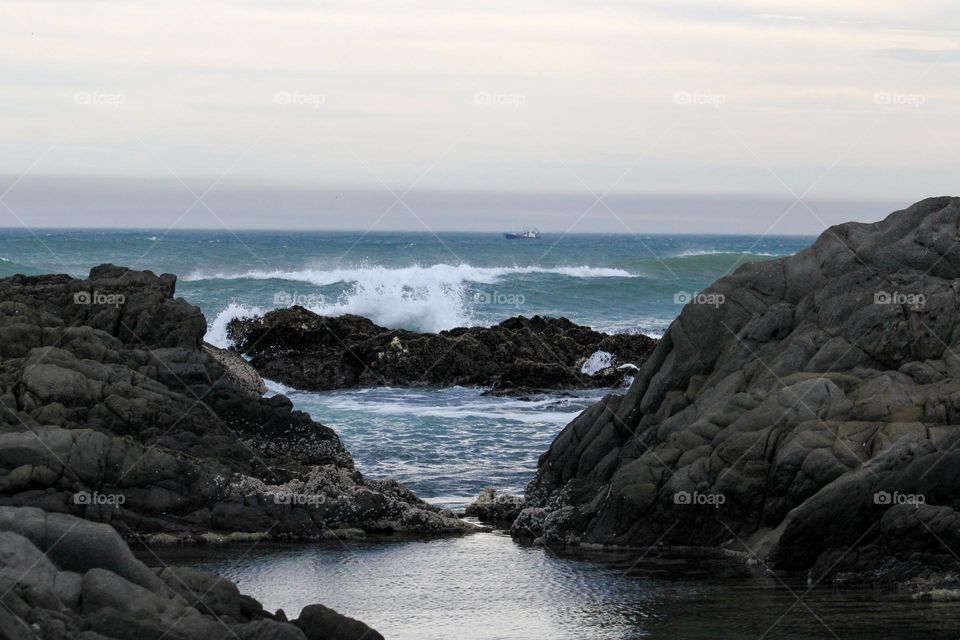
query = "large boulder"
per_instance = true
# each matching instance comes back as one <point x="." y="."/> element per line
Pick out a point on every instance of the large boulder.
<point x="305" y="350"/>
<point x="810" y="412"/>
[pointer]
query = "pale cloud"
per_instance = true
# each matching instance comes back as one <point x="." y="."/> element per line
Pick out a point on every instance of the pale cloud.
<point x="856" y="99"/>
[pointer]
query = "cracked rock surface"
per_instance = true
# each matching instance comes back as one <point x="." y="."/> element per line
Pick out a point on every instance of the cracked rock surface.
<point x="812" y="419"/>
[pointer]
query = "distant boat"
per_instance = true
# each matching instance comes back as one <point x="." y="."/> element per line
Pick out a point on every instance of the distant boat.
<point x="529" y="234"/>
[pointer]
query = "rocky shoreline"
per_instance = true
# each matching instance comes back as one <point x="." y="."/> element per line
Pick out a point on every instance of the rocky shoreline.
<point x="520" y="356"/>
<point x="808" y="422"/>
<point x="113" y="410"/>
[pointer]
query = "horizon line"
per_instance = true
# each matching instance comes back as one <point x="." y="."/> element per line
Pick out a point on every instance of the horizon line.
<point x="29" y="230"/>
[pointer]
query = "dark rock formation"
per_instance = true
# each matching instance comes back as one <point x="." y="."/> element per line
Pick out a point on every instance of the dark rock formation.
<point x="811" y="419"/>
<point x="111" y="409"/>
<point x="304" y="350"/>
<point x="493" y="508"/>
<point x="62" y="577"/>
<point x="322" y="623"/>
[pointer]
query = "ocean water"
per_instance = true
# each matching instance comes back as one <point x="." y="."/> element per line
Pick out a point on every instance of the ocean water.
<point x="448" y="443"/>
<point x="445" y="444"/>
<point x="413" y="280"/>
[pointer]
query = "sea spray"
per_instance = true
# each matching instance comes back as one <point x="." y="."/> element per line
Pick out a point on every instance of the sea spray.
<point x="217" y="330"/>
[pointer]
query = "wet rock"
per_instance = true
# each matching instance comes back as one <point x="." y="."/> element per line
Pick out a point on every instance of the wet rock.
<point x="304" y="350"/>
<point x="493" y="508"/>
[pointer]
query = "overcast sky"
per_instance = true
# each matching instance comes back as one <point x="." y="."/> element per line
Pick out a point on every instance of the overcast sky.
<point x="160" y="114"/>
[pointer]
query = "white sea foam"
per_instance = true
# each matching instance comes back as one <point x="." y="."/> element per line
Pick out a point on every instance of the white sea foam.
<point x="440" y="273"/>
<point x="477" y="410"/>
<point x="418" y="298"/>
<point x="217" y="330"/>
<point x="597" y="361"/>
<point x="427" y="306"/>
<point x="647" y="325"/>
<point x="692" y="253"/>
<point x="274" y="388"/>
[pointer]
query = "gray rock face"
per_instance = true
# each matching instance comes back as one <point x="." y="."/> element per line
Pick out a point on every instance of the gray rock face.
<point x="112" y="409"/>
<point x="811" y="418"/>
<point x="112" y="595"/>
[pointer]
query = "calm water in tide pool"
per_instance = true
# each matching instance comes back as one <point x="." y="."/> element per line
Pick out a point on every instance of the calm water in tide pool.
<point x="447" y="444"/>
<point x="488" y="587"/>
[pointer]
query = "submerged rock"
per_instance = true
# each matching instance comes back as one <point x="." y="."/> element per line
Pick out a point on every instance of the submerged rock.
<point x="112" y="409"/>
<point x="810" y="419"/>
<point x="304" y="350"/>
<point x="490" y="507"/>
<point x="63" y="577"/>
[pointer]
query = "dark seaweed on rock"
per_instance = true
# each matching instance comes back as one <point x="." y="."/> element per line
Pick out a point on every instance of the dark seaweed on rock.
<point x="112" y="409"/>
<point x="811" y="419"/>
<point x="302" y="349"/>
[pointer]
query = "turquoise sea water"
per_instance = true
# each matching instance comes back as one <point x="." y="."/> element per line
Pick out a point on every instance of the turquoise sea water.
<point x="413" y="280"/>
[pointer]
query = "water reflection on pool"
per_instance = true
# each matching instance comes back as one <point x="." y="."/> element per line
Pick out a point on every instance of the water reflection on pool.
<point x="487" y="586"/>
